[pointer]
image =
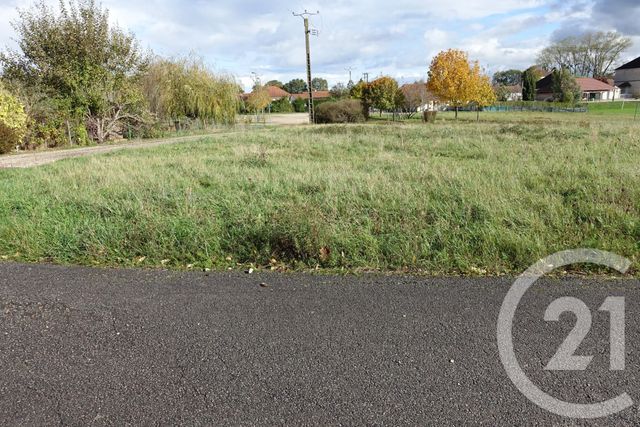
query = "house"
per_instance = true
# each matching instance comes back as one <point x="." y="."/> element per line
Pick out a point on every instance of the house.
<point x="627" y="78"/>
<point x="275" y="93"/>
<point x="592" y="89"/>
<point x="418" y="98"/>
<point x="508" y="93"/>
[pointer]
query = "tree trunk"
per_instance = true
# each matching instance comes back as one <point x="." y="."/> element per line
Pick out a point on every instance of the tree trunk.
<point x="69" y="133"/>
<point x="478" y="114"/>
<point x="456" y="112"/>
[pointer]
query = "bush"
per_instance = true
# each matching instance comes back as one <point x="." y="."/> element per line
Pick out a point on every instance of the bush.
<point x="13" y="121"/>
<point x="300" y="105"/>
<point x="282" y="105"/>
<point x="345" y="111"/>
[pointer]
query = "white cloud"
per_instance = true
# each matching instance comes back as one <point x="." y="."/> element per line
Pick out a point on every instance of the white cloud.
<point x="396" y="38"/>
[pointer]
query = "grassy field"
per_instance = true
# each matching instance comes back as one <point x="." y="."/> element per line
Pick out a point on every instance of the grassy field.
<point x="618" y="108"/>
<point x="447" y="198"/>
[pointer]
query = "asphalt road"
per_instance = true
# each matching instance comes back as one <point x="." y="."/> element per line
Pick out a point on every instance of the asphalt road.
<point x="83" y="346"/>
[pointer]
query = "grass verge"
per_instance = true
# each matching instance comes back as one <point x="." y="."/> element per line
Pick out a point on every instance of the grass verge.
<point x="489" y="197"/>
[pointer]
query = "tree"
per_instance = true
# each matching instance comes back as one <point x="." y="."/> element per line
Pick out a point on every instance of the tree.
<point x="258" y="100"/>
<point x="530" y="78"/>
<point x="13" y="121"/>
<point x="507" y="78"/>
<point x="565" y="88"/>
<point x="482" y="94"/>
<point x="415" y="96"/>
<point x="319" y="83"/>
<point x="299" y="105"/>
<point x="502" y="93"/>
<point x="593" y="54"/>
<point x="76" y="58"/>
<point x="296" y="86"/>
<point x="384" y="92"/>
<point x="362" y="91"/>
<point x="339" y="90"/>
<point x="275" y="83"/>
<point x="282" y="105"/>
<point x="186" y="88"/>
<point x="450" y="78"/>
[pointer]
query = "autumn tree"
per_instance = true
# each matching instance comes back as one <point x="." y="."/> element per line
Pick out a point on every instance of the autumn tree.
<point x="362" y="91"/>
<point x="258" y="100"/>
<point x="13" y="121"/>
<point x="384" y="94"/>
<point x="450" y="78"/>
<point x="482" y="94"/>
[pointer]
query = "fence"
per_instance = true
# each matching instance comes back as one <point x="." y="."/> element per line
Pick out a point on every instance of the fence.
<point x="535" y="106"/>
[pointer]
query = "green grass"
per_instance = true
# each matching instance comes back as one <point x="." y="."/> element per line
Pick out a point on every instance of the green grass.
<point x="444" y="199"/>
<point x="626" y="108"/>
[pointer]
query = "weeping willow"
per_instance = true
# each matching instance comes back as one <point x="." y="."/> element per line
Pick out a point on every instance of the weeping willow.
<point x="182" y="88"/>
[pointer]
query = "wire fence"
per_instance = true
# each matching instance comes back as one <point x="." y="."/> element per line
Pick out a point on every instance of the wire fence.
<point x="534" y="106"/>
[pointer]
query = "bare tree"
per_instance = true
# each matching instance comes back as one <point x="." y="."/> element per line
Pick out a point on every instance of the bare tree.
<point x="591" y="55"/>
<point x="416" y="95"/>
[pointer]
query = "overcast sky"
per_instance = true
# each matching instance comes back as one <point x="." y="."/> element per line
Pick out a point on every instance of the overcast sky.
<point x="396" y="38"/>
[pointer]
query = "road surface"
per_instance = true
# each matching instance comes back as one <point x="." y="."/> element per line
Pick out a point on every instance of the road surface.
<point x="82" y="346"/>
<point x="38" y="158"/>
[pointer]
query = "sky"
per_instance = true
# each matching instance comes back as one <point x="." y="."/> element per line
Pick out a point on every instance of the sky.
<point x="397" y="38"/>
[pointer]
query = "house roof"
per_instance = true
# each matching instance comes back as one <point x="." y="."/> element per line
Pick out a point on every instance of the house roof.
<point x="587" y="84"/>
<point x="276" y="92"/>
<point x="317" y="94"/>
<point x="630" y="65"/>
<point x="592" y="85"/>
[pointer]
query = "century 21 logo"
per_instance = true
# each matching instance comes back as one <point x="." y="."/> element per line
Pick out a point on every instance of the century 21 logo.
<point x="565" y="359"/>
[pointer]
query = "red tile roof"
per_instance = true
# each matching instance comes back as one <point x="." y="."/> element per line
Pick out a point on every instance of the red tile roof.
<point x="276" y="92"/>
<point x="317" y="94"/>
<point x="592" y="85"/>
<point x="586" y="84"/>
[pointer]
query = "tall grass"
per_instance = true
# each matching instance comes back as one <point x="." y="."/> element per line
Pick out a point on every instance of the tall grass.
<point x="443" y="198"/>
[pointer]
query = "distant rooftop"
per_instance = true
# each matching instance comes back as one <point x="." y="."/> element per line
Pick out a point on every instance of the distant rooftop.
<point x="630" y="65"/>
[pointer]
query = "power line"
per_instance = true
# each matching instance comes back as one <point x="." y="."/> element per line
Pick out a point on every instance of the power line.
<point x="305" y="16"/>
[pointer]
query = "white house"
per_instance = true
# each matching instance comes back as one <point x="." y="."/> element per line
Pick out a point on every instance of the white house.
<point x="592" y="89"/>
<point x="628" y="79"/>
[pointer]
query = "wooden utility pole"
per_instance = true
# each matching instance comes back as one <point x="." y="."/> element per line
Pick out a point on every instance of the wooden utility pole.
<point x="305" y="16"/>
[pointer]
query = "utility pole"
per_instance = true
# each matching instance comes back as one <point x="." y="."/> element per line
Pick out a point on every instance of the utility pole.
<point x="349" y="70"/>
<point x="305" y="16"/>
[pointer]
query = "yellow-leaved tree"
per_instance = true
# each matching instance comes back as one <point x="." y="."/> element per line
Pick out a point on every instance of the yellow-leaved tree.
<point x="453" y="79"/>
<point x="13" y="121"/>
<point x="482" y="93"/>
<point x="450" y="78"/>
